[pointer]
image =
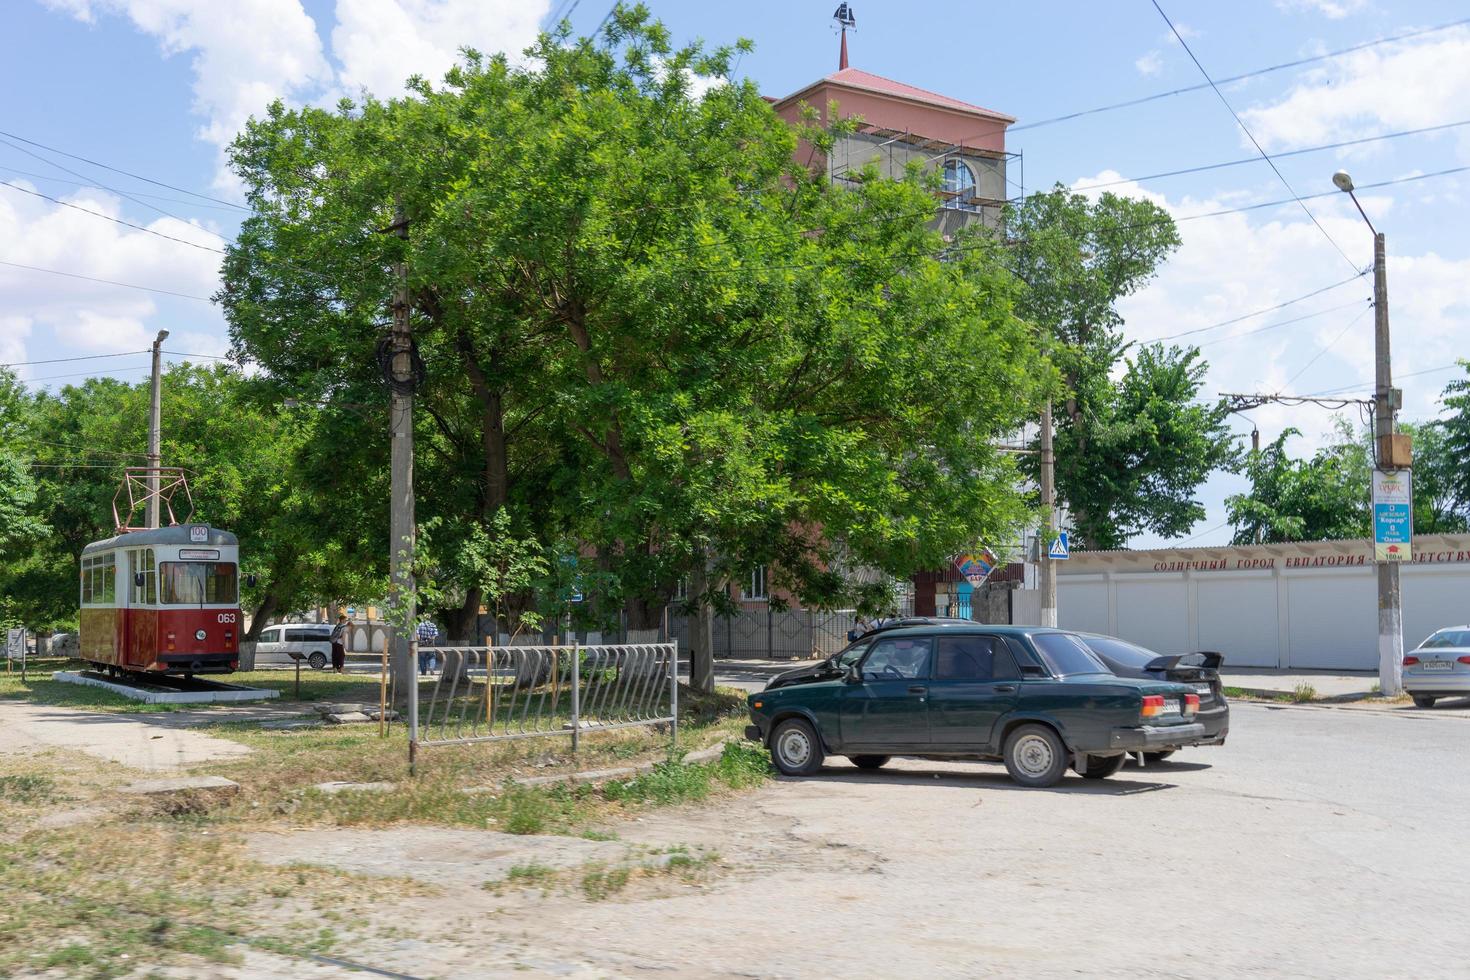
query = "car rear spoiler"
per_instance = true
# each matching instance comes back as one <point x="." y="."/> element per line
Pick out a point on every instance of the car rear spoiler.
<point x="1208" y="659"/>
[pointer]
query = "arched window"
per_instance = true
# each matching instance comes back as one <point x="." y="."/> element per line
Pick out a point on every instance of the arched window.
<point x="959" y="180"/>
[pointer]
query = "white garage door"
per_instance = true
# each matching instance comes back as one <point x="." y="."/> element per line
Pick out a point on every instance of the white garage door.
<point x="1082" y="605"/>
<point x="1154" y="614"/>
<point x="1433" y="598"/>
<point x="1237" y="617"/>
<point x="1333" y="620"/>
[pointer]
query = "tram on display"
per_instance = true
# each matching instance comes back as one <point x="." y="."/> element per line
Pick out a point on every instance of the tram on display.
<point x="162" y="601"/>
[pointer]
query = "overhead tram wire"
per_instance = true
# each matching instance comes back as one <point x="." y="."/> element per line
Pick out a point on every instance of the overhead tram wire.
<point x="108" y="217"/>
<point x="125" y="173"/>
<point x="109" y="282"/>
<point x="92" y="183"/>
<point x="1251" y="136"/>
<point x="1365" y="385"/>
<point x="83" y="357"/>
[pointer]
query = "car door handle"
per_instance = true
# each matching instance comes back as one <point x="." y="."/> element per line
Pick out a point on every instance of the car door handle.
<point x="1004" y="688"/>
<point x="917" y="689"/>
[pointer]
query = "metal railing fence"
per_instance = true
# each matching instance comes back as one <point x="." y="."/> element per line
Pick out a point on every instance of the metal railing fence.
<point x="488" y="694"/>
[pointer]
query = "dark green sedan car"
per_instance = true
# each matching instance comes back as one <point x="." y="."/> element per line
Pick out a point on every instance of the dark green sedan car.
<point x="1036" y="699"/>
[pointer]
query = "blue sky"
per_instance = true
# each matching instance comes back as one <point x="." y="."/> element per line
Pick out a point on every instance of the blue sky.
<point x="157" y="86"/>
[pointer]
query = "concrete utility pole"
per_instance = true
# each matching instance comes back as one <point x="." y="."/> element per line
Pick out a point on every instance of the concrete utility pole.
<point x="401" y="530"/>
<point x="1046" y="568"/>
<point x="155" y="429"/>
<point x="1390" y="610"/>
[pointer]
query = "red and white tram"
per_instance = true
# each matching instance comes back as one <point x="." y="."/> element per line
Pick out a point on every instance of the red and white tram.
<point x="163" y="601"/>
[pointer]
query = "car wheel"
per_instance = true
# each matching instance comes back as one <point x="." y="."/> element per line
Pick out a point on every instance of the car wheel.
<point x="317" y="660"/>
<point x="1158" y="756"/>
<point x="1101" y="767"/>
<point x="1424" y="701"/>
<point x="869" y="761"/>
<point x="795" y="748"/>
<point x="1035" y="756"/>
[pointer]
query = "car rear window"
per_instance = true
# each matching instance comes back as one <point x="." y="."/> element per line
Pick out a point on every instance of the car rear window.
<point x="1447" y="638"/>
<point x="1120" y="650"/>
<point x="1066" y="654"/>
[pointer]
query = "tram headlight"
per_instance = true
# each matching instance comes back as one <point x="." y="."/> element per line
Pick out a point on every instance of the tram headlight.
<point x="199" y="634"/>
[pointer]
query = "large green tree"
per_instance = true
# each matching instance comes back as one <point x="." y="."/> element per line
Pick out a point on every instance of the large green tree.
<point x="648" y="335"/>
<point x="1329" y="495"/>
<point x="1456" y="428"/>
<point x="1134" y="441"/>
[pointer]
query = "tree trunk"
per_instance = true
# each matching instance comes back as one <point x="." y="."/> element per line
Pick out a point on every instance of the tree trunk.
<point x="462" y="625"/>
<point x="264" y="611"/>
<point x="702" y="632"/>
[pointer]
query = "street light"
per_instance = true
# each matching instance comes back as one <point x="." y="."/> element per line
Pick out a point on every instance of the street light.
<point x="1388" y="455"/>
<point x="154" y="432"/>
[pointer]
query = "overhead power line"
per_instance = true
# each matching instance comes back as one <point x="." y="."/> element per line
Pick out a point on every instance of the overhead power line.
<point x="108" y="217"/>
<point x="1277" y="156"/>
<point x="1325" y="348"/>
<point x="1269" y="309"/>
<point x="1411" y="374"/>
<point x="125" y="173"/>
<point x="109" y="282"/>
<point x="1249" y="135"/>
<point x="92" y="183"/>
<point x="83" y="357"/>
<point x="1255" y="73"/>
<point x="1286" y="323"/>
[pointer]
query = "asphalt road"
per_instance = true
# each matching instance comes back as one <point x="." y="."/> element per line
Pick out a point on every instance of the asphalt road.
<point x="1320" y="842"/>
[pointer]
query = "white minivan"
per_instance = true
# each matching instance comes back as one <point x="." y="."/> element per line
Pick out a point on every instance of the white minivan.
<point x="311" y="641"/>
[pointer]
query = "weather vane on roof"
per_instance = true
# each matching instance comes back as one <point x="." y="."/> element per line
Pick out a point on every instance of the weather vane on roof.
<point x="845" y="19"/>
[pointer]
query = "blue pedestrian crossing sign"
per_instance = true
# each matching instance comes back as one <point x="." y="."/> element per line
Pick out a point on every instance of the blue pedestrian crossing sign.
<point x="1059" y="551"/>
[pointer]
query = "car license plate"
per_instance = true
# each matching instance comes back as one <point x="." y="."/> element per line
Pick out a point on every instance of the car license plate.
<point x="1438" y="664"/>
<point x="1203" y="690"/>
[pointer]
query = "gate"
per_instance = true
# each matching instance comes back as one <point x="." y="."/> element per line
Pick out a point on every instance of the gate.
<point x="490" y="694"/>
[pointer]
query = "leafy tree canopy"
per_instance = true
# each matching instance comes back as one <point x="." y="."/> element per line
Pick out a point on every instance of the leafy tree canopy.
<point x="1132" y="445"/>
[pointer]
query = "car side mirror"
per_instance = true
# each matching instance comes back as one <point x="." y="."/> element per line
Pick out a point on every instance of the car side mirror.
<point x="139" y="579"/>
<point x="853" y="675"/>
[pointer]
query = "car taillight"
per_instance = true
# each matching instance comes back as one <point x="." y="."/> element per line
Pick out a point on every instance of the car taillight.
<point x="1153" y="706"/>
<point x="1464" y="660"/>
<point x="1191" y="703"/>
<point x="1410" y="660"/>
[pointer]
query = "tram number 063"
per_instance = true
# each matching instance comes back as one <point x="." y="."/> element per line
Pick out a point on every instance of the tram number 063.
<point x="226" y="617"/>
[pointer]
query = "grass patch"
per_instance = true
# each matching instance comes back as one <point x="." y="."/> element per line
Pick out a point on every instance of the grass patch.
<point x="1303" y="692"/>
<point x="529" y="872"/>
<point x="1241" y="694"/>
<point x="27" y="788"/>
<point x="602" y="883"/>
<point x="740" y="766"/>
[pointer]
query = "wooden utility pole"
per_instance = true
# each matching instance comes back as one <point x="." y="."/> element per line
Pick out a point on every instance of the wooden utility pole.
<point x="1045" y="567"/>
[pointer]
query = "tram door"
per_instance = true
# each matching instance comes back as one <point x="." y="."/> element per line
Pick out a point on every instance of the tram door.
<point x="142" y="612"/>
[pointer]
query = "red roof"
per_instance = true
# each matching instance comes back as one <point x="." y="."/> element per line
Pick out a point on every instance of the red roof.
<point x="857" y="78"/>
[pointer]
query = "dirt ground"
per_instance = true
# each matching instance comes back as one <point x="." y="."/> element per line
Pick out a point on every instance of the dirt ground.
<point x="1301" y="849"/>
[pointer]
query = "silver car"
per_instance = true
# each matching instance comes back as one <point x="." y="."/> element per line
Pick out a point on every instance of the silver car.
<point x="1439" y="667"/>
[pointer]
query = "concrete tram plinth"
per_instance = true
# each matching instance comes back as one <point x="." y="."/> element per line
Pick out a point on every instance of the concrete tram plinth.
<point x="214" y="693"/>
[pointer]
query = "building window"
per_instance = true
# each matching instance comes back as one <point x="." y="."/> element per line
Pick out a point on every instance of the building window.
<point x="959" y="185"/>
<point x="756" y="589"/>
<point x="681" y="589"/>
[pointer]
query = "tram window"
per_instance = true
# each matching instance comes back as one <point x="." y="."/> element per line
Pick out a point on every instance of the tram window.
<point x="143" y="563"/>
<point x="99" y="575"/>
<point x="184" y="583"/>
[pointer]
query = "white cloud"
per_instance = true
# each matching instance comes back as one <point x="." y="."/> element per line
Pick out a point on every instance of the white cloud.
<point x="248" y="53"/>
<point x="1149" y="64"/>
<point x="1422" y="82"/>
<point x="380" y="43"/>
<point x="1236" y="264"/>
<point x="1331" y="9"/>
<point x="88" y="316"/>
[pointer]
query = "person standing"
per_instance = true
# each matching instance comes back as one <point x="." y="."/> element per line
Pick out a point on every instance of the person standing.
<point x="339" y="643"/>
<point x="428" y="633"/>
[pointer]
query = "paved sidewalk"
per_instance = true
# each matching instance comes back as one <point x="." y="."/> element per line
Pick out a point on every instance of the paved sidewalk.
<point x="1327" y="683"/>
<point x="133" y="740"/>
